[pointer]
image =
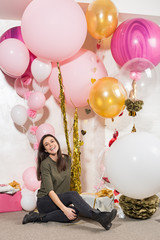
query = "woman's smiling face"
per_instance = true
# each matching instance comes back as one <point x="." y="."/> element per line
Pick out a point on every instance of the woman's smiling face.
<point x="50" y="145"/>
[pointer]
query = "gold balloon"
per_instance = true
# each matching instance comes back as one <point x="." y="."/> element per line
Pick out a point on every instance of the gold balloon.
<point x="107" y="97"/>
<point x="102" y="18"/>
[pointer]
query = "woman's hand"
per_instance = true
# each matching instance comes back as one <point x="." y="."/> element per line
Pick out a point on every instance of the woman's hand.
<point x="70" y="213"/>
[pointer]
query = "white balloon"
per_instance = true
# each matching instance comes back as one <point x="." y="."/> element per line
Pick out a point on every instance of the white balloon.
<point x="28" y="202"/>
<point x="35" y="193"/>
<point x="40" y="87"/>
<point x="26" y="191"/>
<point x="19" y="115"/>
<point x="31" y="137"/>
<point x="40" y="69"/>
<point x="133" y="165"/>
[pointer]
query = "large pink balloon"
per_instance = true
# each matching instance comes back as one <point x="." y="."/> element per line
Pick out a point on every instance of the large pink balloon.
<point x="14" y="57"/>
<point x="77" y="73"/>
<point x="30" y="179"/>
<point x="54" y="29"/>
<point x="136" y="38"/>
<point x="15" y="32"/>
<point x="44" y="129"/>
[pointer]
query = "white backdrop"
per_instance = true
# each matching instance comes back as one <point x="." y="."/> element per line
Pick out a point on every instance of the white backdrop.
<point x="16" y="153"/>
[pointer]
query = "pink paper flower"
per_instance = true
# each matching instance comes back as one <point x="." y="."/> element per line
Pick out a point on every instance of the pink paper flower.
<point x="31" y="113"/>
<point x="35" y="146"/>
<point x="33" y="130"/>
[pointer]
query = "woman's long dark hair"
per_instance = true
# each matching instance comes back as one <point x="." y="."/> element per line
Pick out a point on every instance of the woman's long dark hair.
<point x="42" y="155"/>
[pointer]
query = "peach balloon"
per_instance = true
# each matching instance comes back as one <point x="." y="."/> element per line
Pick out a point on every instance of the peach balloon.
<point x="102" y="18"/>
<point x="107" y="97"/>
<point x="77" y="73"/>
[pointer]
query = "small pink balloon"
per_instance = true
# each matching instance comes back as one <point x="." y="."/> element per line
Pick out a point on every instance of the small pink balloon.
<point x="59" y="34"/>
<point x="36" y="100"/>
<point x="14" y="57"/>
<point x="44" y="129"/>
<point x="30" y="179"/>
<point x="77" y="73"/>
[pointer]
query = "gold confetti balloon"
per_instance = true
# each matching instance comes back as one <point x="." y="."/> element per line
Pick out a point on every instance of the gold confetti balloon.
<point x="107" y="97"/>
<point x="102" y="18"/>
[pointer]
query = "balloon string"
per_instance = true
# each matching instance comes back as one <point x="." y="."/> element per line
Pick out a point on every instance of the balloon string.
<point x="133" y="92"/>
<point x="24" y="129"/>
<point x="63" y="109"/>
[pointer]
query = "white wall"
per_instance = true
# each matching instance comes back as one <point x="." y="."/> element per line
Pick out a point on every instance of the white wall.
<point x="150" y="8"/>
<point x="16" y="154"/>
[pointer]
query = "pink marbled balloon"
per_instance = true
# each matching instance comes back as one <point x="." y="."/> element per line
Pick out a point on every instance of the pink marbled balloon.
<point x="136" y="38"/>
<point x="14" y="32"/>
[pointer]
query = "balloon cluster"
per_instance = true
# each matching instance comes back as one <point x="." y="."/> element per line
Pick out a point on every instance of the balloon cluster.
<point x="30" y="54"/>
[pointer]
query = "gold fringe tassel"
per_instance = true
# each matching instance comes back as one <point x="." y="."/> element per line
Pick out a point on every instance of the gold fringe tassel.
<point x="76" y="164"/>
<point x="63" y="109"/>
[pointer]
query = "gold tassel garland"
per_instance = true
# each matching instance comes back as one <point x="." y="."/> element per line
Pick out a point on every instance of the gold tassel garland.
<point x="76" y="164"/>
<point x="139" y="208"/>
<point x="133" y="106"/>
<point x="63" y="109"/>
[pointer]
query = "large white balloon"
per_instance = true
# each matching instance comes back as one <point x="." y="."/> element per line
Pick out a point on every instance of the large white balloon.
<point x="19" y="115"/>
<point x="133" y="165"/>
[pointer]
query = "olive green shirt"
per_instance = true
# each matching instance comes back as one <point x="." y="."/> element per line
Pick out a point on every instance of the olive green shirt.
<point x="59" y="182"/>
